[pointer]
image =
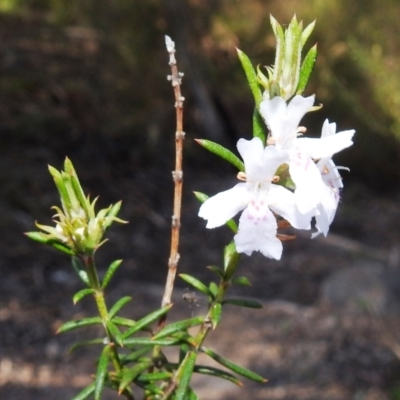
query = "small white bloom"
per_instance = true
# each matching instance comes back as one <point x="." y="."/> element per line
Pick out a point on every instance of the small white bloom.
<point x="259" y="198"/>
<point x="331" y="178"/>
<point x="283" y="121"/>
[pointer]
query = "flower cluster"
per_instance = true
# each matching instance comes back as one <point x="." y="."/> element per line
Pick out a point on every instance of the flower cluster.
<point x="78" y="229"/>
<point x="262" y="198"/>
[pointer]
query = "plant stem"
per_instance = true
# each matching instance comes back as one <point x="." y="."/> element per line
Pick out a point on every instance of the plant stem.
<point x="177" y="174"/>
<point x="103" y="312"/>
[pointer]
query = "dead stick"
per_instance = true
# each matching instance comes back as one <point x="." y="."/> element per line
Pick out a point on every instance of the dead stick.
<point x="177" y="174"/>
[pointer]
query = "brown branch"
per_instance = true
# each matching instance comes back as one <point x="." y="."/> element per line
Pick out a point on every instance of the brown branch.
<point x="177" y="174"/>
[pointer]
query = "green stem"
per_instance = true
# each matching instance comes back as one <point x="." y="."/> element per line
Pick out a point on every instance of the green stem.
<point x="103" y="312"/>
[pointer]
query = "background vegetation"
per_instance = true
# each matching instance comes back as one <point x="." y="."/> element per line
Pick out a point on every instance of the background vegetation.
<point x="91" y="69"/>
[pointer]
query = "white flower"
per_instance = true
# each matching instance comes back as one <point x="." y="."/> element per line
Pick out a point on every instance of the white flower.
<point x="283" y="121"/>
<point x="332" y="180"/>
<point x="259" y="198"/>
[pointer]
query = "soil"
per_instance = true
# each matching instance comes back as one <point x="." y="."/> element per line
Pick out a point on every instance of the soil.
<point x="306" y="342"/>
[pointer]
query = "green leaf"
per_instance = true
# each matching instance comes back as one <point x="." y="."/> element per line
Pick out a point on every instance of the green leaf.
<point x="197" y="284"/>
<point x="118" y="305"/>
<point x="258" y="126"/>
<point x="68" y="326"/>
<point x="85" y="343"/>
<point x="216" y="270"/>
<point x="307" y="32"/>
<point x="85" y="393"/>
<point x="232" y="366"/>
<point x="110" y="272"/>
<point x="243" y="303"/>
<point x="221" y="152"/>
<point x="186" y="372"/>
<point x="44" y="239"/>
<point x="143" y="341"/>
<point x="178" y="327"/>
<point x="115" y="332"/>
<point x="81" y="294"/>
<point x="231" y="259"/>
<point x="123" y="321"/>
<point x="69" y="168"/>
<point x="155" y="376"/>
<point x="191" y="395"/>
<point x="241" y="280"/>
<point x="201" y="197"/>
<point x="147" y="320"/>
<point x="213" y="288"/>
<point x="251" y="76"/>
<point x="218" y="373"/>
<point x="135" y="355"/>
<point x="62" y="190"/>
<point x="306" y="69"/>
<point x="128" y="375"/>
<point x="101" y="372"/>
<point x="79" y="268"/>
<point x="215" y="314"/>
<point x="114" y="210"/>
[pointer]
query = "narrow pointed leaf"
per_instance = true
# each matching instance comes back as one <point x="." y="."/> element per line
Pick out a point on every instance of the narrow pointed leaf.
<point x="231" y="259"/>
<point x="73" y="177"/>
<point x="118" y="305"/>
<point x="215" y="314"/>
<point x="42" y="238"/>
<point x="62" y="190"/>
<point x="143" y="341"/>
<point x="243" y="303"/>
<point x="307" y="32"/>
<point x="85" y="393"/>
<point x="123" y="321"/>
<point x="197" y="284"/>
<point x="110" y="272"/>
<point x="85" y="343"/>
<point x="128" y="375"/>
<point x="218" y="373"/>
<point x="216" y="270"/>
<point x="258" y="126"/>
<point x="115" y="332"/>
<point x="81" y="294"/>
<point x="241" y="280"/>
<point x="156" y="376"/>
<point x="147" y="320"/>
<point x="78" y="267"/>
<point x="68" y="326"/>
<point x="213" y="288"/>
<point x="232" y="366"/>
<point x="306" y="69"/>
<point x="135" y="354"/>
<point x="221" y="152"/>
<point x="101" y="372"/>
<point x="178" y="327"/>
<point x="114" y="210"/>
<point x="191" y="395"/>
<point x="184" y="378"/>
<point x="251" y="76"/>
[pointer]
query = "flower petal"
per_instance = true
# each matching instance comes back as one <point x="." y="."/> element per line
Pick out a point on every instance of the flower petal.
<point x="223" y="206"/>
<point x="283" y="120"/>
<point x="307" y="178"/>
<point x="326" y="146"/>
<point x="260" y="162"/>
<point x="257" y="232"/>
<point x="283" y="202"/>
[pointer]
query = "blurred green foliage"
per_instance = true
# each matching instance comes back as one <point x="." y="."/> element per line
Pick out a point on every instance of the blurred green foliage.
<point x="120" y="81"/>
